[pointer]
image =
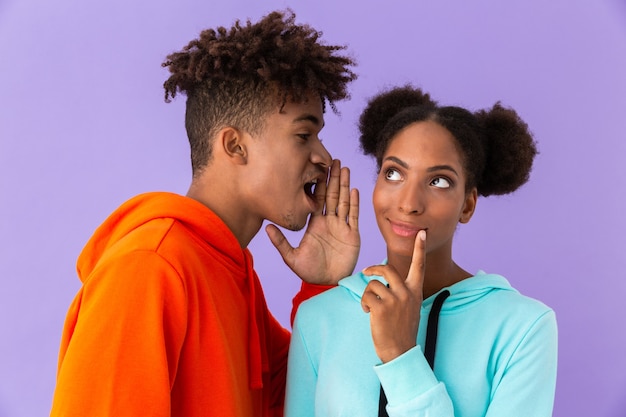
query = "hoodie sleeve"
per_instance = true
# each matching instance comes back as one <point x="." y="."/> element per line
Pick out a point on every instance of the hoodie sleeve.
<point x="279" y="348"/>
<point x="121" y="340"/>
<point x="524" y="387"/>
<point x="412" y="388"/>
<point x="527" y="385"/>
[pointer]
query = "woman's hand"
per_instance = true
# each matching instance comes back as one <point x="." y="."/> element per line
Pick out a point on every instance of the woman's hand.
<point x="395" y="310"/>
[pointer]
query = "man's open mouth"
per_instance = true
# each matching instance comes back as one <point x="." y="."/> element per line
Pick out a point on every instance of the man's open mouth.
<point x="309" y="188"/>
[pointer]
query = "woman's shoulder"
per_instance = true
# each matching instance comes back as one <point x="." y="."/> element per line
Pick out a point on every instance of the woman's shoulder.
<point x="334" y="304"/>
<point x="496" y="292"/>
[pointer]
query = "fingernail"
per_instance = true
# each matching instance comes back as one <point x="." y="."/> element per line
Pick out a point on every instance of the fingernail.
<point x="422" y="234"/>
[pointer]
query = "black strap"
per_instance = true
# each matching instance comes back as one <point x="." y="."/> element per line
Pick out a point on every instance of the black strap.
<point x="431" y="330"/>
<point x="382" y="403"/>
<point x="429" y="348"/>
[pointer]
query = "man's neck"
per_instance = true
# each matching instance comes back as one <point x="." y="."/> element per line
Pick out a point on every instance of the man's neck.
<point x="224" y="201"/>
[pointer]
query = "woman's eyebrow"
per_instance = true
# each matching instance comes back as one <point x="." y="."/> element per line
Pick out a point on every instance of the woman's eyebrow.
<point x="430" y="169"/>
<point x="442" y="168"/>
<point x="397" y="161"/>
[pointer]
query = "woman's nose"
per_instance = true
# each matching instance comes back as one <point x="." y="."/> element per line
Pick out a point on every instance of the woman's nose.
<point x="411" y="200"/>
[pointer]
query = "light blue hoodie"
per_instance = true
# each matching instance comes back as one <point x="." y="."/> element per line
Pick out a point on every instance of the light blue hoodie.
<point x="496" y="355"/>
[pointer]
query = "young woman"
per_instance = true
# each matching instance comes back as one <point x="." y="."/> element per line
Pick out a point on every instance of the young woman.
<point x="418" y="335"/>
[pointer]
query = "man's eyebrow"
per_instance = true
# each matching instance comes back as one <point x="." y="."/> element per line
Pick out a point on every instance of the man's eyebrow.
<point x="308" y="118"/>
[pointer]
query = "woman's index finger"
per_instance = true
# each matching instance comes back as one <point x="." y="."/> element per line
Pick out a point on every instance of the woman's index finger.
<point x="415" y="277"/>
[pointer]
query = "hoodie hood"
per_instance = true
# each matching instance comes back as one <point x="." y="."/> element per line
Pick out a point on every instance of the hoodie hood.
<point x="159" y="205"/>
<point x="462" y="294"/>
<point x="208" y="227"/>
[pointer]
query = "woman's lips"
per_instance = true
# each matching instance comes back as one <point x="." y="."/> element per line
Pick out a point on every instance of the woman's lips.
<point x="405" y="230"/>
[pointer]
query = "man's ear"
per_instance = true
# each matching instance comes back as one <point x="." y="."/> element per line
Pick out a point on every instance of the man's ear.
<point x="469" y="206"/>
<point x="233" y="144"/>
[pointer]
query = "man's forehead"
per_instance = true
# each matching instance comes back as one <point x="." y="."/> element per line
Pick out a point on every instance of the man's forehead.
<point x="317" y="120"/>
<point x="306" y="110"/>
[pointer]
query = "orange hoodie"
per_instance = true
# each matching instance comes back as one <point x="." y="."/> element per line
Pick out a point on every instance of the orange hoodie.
<point x="170" y="321"/>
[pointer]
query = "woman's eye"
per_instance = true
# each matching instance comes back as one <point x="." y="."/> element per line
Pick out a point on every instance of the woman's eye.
<point x="392" y="175"/>
<point x="441" y="182"/>
<point x="304" y="136"/>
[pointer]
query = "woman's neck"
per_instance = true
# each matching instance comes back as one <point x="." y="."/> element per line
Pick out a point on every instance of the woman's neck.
<point x="441" y="271"/>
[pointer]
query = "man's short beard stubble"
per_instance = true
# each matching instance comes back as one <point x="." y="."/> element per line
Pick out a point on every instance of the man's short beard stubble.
<point x="290" y="223"/>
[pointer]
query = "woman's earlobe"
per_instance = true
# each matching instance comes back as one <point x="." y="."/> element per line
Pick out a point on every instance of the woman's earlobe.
<point x="470" y="206"/>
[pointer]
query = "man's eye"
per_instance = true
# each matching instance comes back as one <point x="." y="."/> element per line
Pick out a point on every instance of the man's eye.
<point x="441" y="182"/>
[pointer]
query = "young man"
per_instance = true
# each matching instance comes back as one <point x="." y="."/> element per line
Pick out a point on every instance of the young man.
<point x="171" y="319"/>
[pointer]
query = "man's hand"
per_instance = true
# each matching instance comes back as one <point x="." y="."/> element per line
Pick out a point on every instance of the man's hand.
<point x="330" y="246"/>
<point x="395" y="310"/>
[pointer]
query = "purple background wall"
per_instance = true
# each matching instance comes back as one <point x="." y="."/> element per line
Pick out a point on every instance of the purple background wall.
<point x="83" y="127"/>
